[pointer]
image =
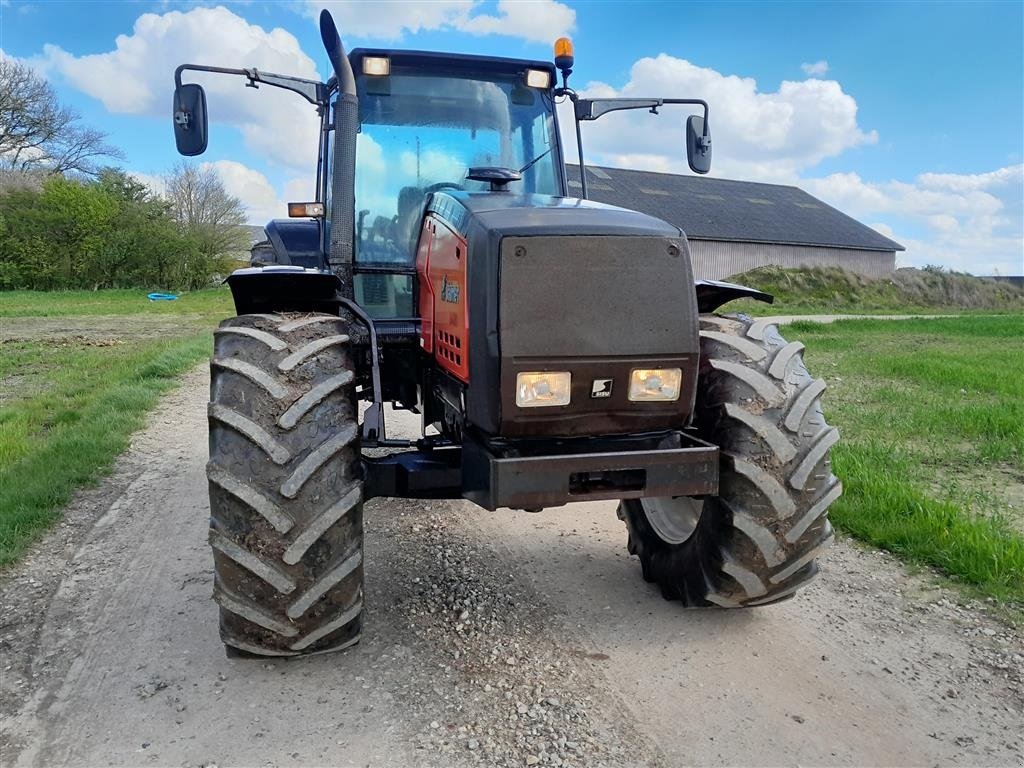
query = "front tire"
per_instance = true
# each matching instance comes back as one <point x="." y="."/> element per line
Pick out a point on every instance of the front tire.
<point x="756" y="543"/>
<point x="286" y="523"/>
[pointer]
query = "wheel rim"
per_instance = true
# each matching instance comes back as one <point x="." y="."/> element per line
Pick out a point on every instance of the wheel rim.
<point x="674" y="519"/>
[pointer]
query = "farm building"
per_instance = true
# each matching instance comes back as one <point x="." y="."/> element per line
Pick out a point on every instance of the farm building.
<point x="734" y="226"/>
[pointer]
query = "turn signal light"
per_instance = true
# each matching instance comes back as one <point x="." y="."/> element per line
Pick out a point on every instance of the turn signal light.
<point x="303" y="210"/>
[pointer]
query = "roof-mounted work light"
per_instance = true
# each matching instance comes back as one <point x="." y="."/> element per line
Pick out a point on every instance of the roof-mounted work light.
<point x="538" y="78"/>
<point x="377" y="66"/>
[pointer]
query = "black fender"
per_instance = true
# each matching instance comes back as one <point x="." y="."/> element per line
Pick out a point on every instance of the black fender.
<point x="711" y="294"/>
<point x="284" y="288"/>
<point x="294" y="242"/>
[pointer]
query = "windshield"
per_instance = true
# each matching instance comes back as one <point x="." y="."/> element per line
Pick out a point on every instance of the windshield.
<point x="422" y="131"/>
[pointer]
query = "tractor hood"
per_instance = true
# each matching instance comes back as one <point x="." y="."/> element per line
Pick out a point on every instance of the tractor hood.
<point x="560" y="284"/>
<point x="508" y="213"/>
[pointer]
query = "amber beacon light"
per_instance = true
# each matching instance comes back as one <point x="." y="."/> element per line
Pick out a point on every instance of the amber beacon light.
<point x="564" y="55"/>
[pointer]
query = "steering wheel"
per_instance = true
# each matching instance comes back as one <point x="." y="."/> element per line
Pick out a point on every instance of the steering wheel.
<point x="442" y="185"/>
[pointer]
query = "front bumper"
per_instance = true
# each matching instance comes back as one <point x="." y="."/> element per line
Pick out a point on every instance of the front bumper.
<point x="514" y="475"/>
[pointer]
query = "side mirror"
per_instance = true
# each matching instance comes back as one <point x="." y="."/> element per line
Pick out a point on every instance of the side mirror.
<point x="190" y="127"/>
<point x="698" y="145"/>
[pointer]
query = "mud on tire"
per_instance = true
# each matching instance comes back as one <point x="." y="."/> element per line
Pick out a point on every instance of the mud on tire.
<point x="757" y="542"/>
<point x="286" y="523"/>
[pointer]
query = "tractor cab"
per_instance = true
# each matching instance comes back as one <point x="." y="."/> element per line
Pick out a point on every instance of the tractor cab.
<point x="425" y="120"/>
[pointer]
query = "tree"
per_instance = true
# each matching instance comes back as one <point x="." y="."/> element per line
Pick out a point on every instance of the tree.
<point x="113" y="232"/>
<point x="127" y="188"/>
<point x="38" y="132"/>
<point x="205" y="211"/>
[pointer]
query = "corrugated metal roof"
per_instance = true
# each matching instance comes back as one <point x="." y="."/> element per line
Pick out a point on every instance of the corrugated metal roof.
<point x="721" y="209"/>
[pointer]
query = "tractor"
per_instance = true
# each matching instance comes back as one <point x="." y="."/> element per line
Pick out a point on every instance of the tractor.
<point x="556" y="349"/>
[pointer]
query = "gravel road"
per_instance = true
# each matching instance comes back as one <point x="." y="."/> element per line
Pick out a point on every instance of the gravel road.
<point x="491" y="639"/>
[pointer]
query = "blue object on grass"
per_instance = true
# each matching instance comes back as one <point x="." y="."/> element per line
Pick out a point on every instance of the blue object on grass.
<point x="162" y="297"/>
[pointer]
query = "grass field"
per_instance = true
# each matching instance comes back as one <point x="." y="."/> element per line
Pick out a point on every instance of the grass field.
<point x="214" y="302"/>
<point x="932" y="452"/>
<point x="78" y="373"/>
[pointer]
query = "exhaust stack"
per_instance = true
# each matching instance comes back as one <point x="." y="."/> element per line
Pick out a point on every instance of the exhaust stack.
<point x="346" y="125"/>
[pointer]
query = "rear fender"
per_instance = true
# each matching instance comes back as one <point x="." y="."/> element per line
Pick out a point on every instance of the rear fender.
<point x="711" y="294"/>
<point x="281" y="288"/>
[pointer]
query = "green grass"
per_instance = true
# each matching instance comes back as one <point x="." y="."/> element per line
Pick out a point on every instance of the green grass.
<point x="932" y="452"/>
<point x="53" y="442"/>
<point x="209" y="302"/>
<point x="71" y="404"/>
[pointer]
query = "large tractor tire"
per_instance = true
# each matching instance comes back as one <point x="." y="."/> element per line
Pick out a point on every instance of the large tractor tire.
<point x="755" y="543"/>
<point x="286" y="516"/>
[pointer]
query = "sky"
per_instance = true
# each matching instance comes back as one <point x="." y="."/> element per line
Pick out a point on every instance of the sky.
<point x="908" y="116"/>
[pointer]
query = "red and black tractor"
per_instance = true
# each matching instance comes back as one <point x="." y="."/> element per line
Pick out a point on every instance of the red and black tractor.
<point x="558" y="350"/>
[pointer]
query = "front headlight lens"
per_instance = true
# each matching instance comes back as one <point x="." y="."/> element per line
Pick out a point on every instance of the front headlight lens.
<point x="535" y="390"/>
<point x="655" y="384"/>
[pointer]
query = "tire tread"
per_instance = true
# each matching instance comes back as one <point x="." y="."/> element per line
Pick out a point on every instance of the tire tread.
<point x="285" y="495"/>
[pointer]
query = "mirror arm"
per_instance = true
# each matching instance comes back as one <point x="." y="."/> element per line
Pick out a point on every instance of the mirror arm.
<point x="313" y="91"/>
<point x="592" y="109"/>
<point x="574" y="98"/>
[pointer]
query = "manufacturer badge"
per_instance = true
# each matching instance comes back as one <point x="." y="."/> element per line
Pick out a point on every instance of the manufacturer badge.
<point x="601" y="388"/>
<point x="449" y="291"/>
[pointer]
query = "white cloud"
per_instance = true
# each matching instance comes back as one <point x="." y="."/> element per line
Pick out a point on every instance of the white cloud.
<point x="976" y="255"/>
<point x="136" y="77"/>
<point x="156" y="184"/>
<point x="257" y="195"/>
<point x="540" y="21"/>
<point x="300" y="190"/>
<point x="971" y="222"/>
<point x="252" y="188"/>
<point x="903" y="198"/>
<point x="815" y="69"/>
<point x="762" y="135"/>
<point x="960" y="183"/>
<point x="389" y="21"/>
<point x="534" y="20"/>
<point x="883" y="229"/>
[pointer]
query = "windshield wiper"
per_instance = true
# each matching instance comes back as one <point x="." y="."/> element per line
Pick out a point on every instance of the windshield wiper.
<point x="535" y="160"/>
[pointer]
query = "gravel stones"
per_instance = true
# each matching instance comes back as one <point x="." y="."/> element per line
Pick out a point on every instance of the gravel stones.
<point x="507" y="696"/>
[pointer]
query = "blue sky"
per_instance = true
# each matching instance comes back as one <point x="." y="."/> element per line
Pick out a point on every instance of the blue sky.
<point x="909" y="116"/>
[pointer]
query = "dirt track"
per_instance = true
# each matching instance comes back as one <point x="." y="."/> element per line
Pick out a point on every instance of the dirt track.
<point x="491" y="638"/>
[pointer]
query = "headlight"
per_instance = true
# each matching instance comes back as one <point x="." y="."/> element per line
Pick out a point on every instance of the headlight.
<point x="655" y="384"/>
<point x="534" y="390"/>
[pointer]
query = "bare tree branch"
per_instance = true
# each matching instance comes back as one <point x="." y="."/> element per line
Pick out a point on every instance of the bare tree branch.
<point x="38" y="132"/>
<point x="205" y="211"/>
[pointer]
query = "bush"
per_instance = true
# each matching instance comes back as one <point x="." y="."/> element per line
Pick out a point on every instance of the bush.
<point x="111" y="233"/>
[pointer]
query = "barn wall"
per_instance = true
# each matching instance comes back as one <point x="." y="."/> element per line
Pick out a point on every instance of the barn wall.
<point x="716" y="259"/>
